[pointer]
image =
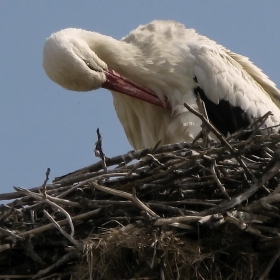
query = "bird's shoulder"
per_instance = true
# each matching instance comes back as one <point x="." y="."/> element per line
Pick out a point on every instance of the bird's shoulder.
<point x="167" y="42"/>
<point x="160" y="31"/>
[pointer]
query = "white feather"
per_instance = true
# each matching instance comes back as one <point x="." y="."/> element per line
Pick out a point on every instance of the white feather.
<point x="165" y="57"/>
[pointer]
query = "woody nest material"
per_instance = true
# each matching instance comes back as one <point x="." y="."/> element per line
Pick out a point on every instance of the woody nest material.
<point x="182" y="211"/>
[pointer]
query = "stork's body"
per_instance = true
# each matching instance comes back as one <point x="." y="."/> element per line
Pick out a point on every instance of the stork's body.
<point x="174" y="62"/>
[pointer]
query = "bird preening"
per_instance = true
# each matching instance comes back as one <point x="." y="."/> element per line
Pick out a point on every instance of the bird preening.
<point x="154" y="70"/>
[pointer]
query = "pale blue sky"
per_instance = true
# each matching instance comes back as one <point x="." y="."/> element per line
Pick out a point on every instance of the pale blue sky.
<point x="43" y="125"/>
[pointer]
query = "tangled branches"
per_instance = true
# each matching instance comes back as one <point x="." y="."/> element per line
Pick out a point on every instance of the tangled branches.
<point x="178" y="211"/>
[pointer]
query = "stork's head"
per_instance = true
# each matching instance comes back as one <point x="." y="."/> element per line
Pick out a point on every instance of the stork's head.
<point x="70" y="62"/>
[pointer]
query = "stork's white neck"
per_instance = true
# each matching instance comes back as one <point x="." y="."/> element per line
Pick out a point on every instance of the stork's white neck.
<point x="118" y="55"/>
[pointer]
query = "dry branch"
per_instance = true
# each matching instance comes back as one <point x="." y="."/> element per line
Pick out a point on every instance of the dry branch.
<point x="178" y="211"/>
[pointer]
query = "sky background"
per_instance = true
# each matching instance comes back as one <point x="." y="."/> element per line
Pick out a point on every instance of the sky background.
<point x="43" y="125"/>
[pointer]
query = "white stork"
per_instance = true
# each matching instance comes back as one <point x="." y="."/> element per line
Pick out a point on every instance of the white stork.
<point x="163" y="65"/>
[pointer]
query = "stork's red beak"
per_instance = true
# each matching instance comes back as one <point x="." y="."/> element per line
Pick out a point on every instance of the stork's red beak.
<point x="116" y="82"/>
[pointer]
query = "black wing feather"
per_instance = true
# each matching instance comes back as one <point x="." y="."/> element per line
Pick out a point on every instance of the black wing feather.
<point x="224" y="116"/>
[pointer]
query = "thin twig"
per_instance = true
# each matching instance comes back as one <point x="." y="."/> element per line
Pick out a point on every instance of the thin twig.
<point x="64" y="222"/>
<point x="98" y="150"/>
<point x="44" y="191"/>
<point x="128" y="196"/>
<point x="205" y="130"/>
<point x="168" y="221"/>
<point x="11" y="234"/>
<point x="220" y="185"/>
<point x="252" y="128"/>
<point x="245" y="195"/>
<point x="69" y="237"/>
<point x="221" y="138"/>
<point x="57" y="207"/>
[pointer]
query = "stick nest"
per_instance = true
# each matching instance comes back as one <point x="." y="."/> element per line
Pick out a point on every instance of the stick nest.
<point x="178" y="211"/>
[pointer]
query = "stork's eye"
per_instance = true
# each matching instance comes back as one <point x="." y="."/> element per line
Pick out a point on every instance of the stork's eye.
<point x="90" y="66"/>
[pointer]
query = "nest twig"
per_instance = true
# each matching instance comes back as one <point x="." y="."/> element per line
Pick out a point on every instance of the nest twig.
<point x="178" y="211"/>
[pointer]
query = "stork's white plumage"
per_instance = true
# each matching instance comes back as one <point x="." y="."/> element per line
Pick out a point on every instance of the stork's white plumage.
<point x="172" y="64"/>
